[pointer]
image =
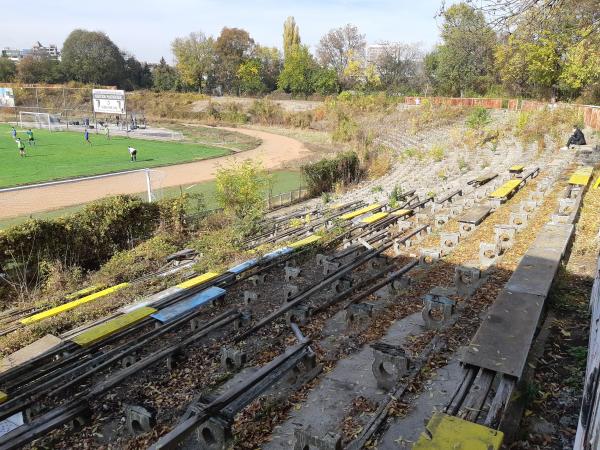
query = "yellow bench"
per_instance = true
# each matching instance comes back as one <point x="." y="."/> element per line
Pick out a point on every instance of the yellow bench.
<point x="3" y="397"/>
<point x="518" y="168"/>
<point x="449" y="432"/>
<point x="582" y="176"/>
<point x="506" y="189"/>
<point x="84" y="291"/>
<point x="74" y="304"/>
<point x="597" y="183"/>
<point x="375" y="217"/>
<point x="306" y="241"/>
<point x="402" y="212"/>
<point x="361" y="211"/>
<point x="112" y="326"/>
<point x="192" y="282"/>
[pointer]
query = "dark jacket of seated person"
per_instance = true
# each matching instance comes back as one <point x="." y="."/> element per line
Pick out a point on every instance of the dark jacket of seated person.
<point x="577" y="138"/>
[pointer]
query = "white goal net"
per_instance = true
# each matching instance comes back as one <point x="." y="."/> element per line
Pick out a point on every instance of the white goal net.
<point x="39" y="120"/>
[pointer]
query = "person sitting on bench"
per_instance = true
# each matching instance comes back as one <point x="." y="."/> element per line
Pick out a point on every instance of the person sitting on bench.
<point x="577" y="138"/>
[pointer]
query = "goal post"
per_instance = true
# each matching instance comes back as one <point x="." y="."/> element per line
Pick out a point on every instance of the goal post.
<point x="48" y="121"/>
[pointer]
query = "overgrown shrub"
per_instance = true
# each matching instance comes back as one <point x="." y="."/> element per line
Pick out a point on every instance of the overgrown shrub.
<point x="322" y="175"/>
<point x="555" y="123"/>
<point x="437" y="153"/>
<point x="127" y="265"/>
<point x="478" y="118"/>
<point x="241" y="192"/>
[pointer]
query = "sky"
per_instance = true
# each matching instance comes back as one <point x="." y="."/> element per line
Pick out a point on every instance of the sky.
<point x="147" y="28"/>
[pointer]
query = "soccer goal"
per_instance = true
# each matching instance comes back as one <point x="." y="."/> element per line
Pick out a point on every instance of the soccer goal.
<point x="39" y="120"/>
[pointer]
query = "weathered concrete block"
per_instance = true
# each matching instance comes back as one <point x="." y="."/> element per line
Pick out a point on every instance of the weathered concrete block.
<point x="560" y="218"/>
<point x="289" y="292"/>
<point x="321" y="259"/>
<point x="342" y="284"/>
<point x="429" y="256"/>
<point x="358" y="314"/>
<point x="377" y="263"/>
<point x="303" y="372"/>
<point x="449" y="241"/>
<point x="243" y="320"/>
<point x="527" y="206"/>
<point x="299" y="315"/>
<point x="505" y="236"/>
<point x="488" y="253"/>
<point x="232" y="359"/>
<point x="437" y="311"/>
<point x="258" y="279"/>
<point x="214" y="434"/>
<point x="403" y="225"/>
<point x="441" y="219"/>
<point x="390" y="364"/>
<point x="464" y="228"/>
<point x="518" y="220"/>
<point x="402" y="283"/>
<point x="127" y="361"/>
<point x="466" y="280"/>
<point x="291" y="273"/>
<point x="139" y="419"/>
<point x="537" y="196"/>
<point x="250" y="297"/>
<point x="305" y="439"/>
<point x="495" y="203"/>
<point x="566" y="205"/>
<point x="330" y="267"/>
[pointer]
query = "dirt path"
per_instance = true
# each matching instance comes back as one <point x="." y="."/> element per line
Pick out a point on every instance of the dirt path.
<point x="274" y="152"/>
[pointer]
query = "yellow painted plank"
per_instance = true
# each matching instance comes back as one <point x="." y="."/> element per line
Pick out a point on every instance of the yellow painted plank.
<point x="449" y="432"/>
<point x="361" y="211"/>
<point x="198" y="280"/>
<point x="306" y="241"/>
<point x="74" y="304"/>
<point x="597" y="183"/>
<point x="516" y="168"/>
<point x="84" y="291"/>
<point x="375" y="217"/>
<point x="112" y="326"/>
<point x="3" y="397"/>
<point x="582" y="176"/>
<point x="506" y="189"/>
<point x="402" y="212"/>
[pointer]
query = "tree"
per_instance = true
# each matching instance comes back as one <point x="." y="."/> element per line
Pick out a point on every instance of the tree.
<point x="8" y="70"/>
<point x="340" y="44"/>
<point x="38" y="69"/>
<point x="164" y="77"/>
<point x="556" y="57"/>
<point x="250" y="81"/>
<point x="137" y="74"/>
<point x="291" y="36"/>
<point x="297" y="74"/>
<point x="232" y="48"/>
<point x="399" y="67"/>
<point x="325" y="81"/>
<point x="271" y="64"/>
<point x="195" y="58"/>
<point x="464" y="62"/>
<point x="91" y="57"/>
<point x="241" y="191"/>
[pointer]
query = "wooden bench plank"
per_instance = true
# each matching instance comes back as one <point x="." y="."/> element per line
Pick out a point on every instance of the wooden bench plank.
<point x="106" y="329"/>
<point x="70" y="305"/>
<point x="178" y="309"/>
<point x="447" y="432"/>
<point x="475" y="215"/>
<point x="361" y="211"/>
<point x="30" y="351"/>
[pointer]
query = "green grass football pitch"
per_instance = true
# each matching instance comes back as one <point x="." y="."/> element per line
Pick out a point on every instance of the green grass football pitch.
<point x="64" y="154"/>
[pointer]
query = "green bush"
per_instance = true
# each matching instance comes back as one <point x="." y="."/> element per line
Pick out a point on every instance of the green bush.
<point x="127" y="265"/>
<point x="322" y="175"/>
<point x="478" y="118"/>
